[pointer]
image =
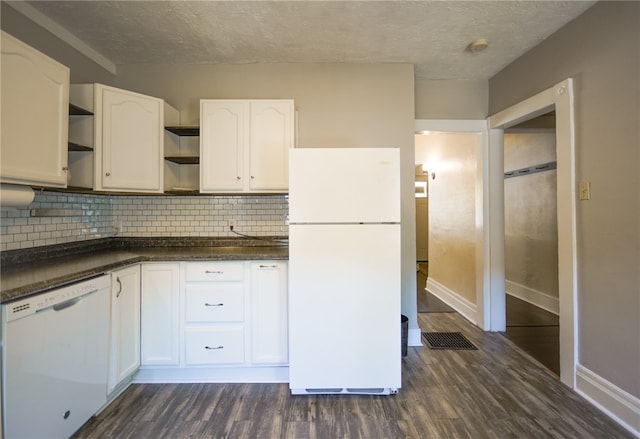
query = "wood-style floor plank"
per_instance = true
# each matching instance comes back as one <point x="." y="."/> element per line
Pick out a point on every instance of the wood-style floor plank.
<point x="498" y="391"/>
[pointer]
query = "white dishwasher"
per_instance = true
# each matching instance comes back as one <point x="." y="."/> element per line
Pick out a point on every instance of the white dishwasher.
<point x="55" y="359"/>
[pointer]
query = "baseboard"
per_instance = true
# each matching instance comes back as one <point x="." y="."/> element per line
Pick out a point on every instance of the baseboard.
<point x="273" y="374"/>
<point x="534" y="297"/>
<point x="619" y="405"/>
<point x="414" y="337"/>
<point x="467" y="309"/>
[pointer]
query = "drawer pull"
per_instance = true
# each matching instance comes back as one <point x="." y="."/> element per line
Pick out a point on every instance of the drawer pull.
<point x="213" y="272"/>
<point x="214" y="304"/>
<point x="268" y="266"/>
<point x="217" y="347"/>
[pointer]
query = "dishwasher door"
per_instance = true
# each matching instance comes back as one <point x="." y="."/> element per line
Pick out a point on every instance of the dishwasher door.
<point x="56" y="367"/>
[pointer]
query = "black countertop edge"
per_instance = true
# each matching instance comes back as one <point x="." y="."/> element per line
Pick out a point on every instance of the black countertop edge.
<point x="116" y="259"/>
<point x="11" y="258"/>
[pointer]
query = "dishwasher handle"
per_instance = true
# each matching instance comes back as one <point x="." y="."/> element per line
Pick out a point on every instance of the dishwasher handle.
<point x="66" y="304"/>
<point x="69" y="303"/>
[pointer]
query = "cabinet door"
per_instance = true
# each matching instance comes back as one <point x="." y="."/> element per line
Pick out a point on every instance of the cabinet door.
<point x="124" y="358"/>
<point x="160" y="313"/>
<point x="129" y="139"/>
<point x="271" y="137"/>
<point x="35" y="108"/>
<point x="269" y="321"/>
<point x="223" y="126"/>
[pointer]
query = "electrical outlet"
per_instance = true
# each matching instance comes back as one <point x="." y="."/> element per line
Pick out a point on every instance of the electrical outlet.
<point x="585" y="190"/>
<point x="231" y="223"/>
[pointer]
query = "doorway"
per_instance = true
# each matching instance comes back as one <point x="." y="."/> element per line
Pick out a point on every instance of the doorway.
<point x="531" y="239"/>
<point x="447" y="156"/>
<point x="560" y="99"/>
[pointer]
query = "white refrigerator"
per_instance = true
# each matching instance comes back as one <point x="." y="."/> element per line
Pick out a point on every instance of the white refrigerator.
<point x="344" y="271"/>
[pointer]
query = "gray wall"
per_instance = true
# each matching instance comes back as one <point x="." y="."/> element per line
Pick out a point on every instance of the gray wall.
<point x="600" y="50"/>
<point x="452" y="99"/>
<point x="84" y="70"/>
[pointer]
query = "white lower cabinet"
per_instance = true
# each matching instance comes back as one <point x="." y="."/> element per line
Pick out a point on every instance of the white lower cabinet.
<point x="214" y="321"/>
<point x="214" y="317"/>
<point x="269" y="315"/>
<point x="207" y="345"/>
<point x="160" y="314"/>
<point x="124" y="351"/>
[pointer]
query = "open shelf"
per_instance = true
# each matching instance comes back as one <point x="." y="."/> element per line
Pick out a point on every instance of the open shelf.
<point x="74" y="110"/>
<point x="77" y="147"/>
<point x="184" y="160"/>
<point x="185" y="131"/>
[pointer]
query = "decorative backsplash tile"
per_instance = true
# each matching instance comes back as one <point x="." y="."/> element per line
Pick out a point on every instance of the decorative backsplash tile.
<point x="141" y="216"/>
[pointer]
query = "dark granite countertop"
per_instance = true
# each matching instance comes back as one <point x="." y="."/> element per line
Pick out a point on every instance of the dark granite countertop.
<point x="33" y="271"/>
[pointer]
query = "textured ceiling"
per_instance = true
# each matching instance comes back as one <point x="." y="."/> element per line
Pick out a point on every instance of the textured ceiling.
<point x="432" y="35"/>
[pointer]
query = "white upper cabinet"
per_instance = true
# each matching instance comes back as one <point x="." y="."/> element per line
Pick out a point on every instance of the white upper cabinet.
<point x="35" y="106"/>
<point x="128" y="139"/>
<point x="244" y="145"/>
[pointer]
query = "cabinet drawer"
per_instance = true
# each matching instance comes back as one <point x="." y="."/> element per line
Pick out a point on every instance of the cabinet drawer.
<point x="215" y="303"/>
<point x="214" y="271"/>
<point x="214" y="345"/>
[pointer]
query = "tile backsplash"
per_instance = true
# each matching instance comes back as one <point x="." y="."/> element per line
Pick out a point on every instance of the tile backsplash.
<point x="99" y="216"/>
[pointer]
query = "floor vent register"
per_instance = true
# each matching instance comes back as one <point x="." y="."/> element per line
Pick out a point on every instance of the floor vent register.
<point x="447" y="340"/>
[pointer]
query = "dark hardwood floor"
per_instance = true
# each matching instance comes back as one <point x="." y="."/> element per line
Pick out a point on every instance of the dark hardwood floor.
<point x="534" y="330"/>
<point x="498" y="391"/>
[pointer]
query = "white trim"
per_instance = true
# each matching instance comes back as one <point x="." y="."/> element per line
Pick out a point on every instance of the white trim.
<point x="272" y="374"/>
<point x="561" y="98"/>
<point x="466" y="308"/>
<point x="450" y="126"/>
<point x="534" y="297"/>
<point x="621" y="406"/>
<point x="414" y="337"/>
<point x="45" y="22"/>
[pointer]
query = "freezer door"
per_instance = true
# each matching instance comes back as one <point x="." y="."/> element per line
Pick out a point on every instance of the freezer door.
<point x="344" y="307"/>
<point x="344" y="185"/>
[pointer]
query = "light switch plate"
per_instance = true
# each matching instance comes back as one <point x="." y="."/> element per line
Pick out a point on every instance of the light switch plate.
<point x="585" y="190"/>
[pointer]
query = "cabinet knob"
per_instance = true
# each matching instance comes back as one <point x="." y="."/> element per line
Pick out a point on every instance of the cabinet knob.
<point x="252" y="177"/>
<point x="108" y="174"/>
<point x="65" y="168"/>
<point x="238" y="177"/>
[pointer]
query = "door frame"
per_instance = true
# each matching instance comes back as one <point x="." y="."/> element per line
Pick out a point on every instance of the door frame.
<point x="561" y="98"/>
